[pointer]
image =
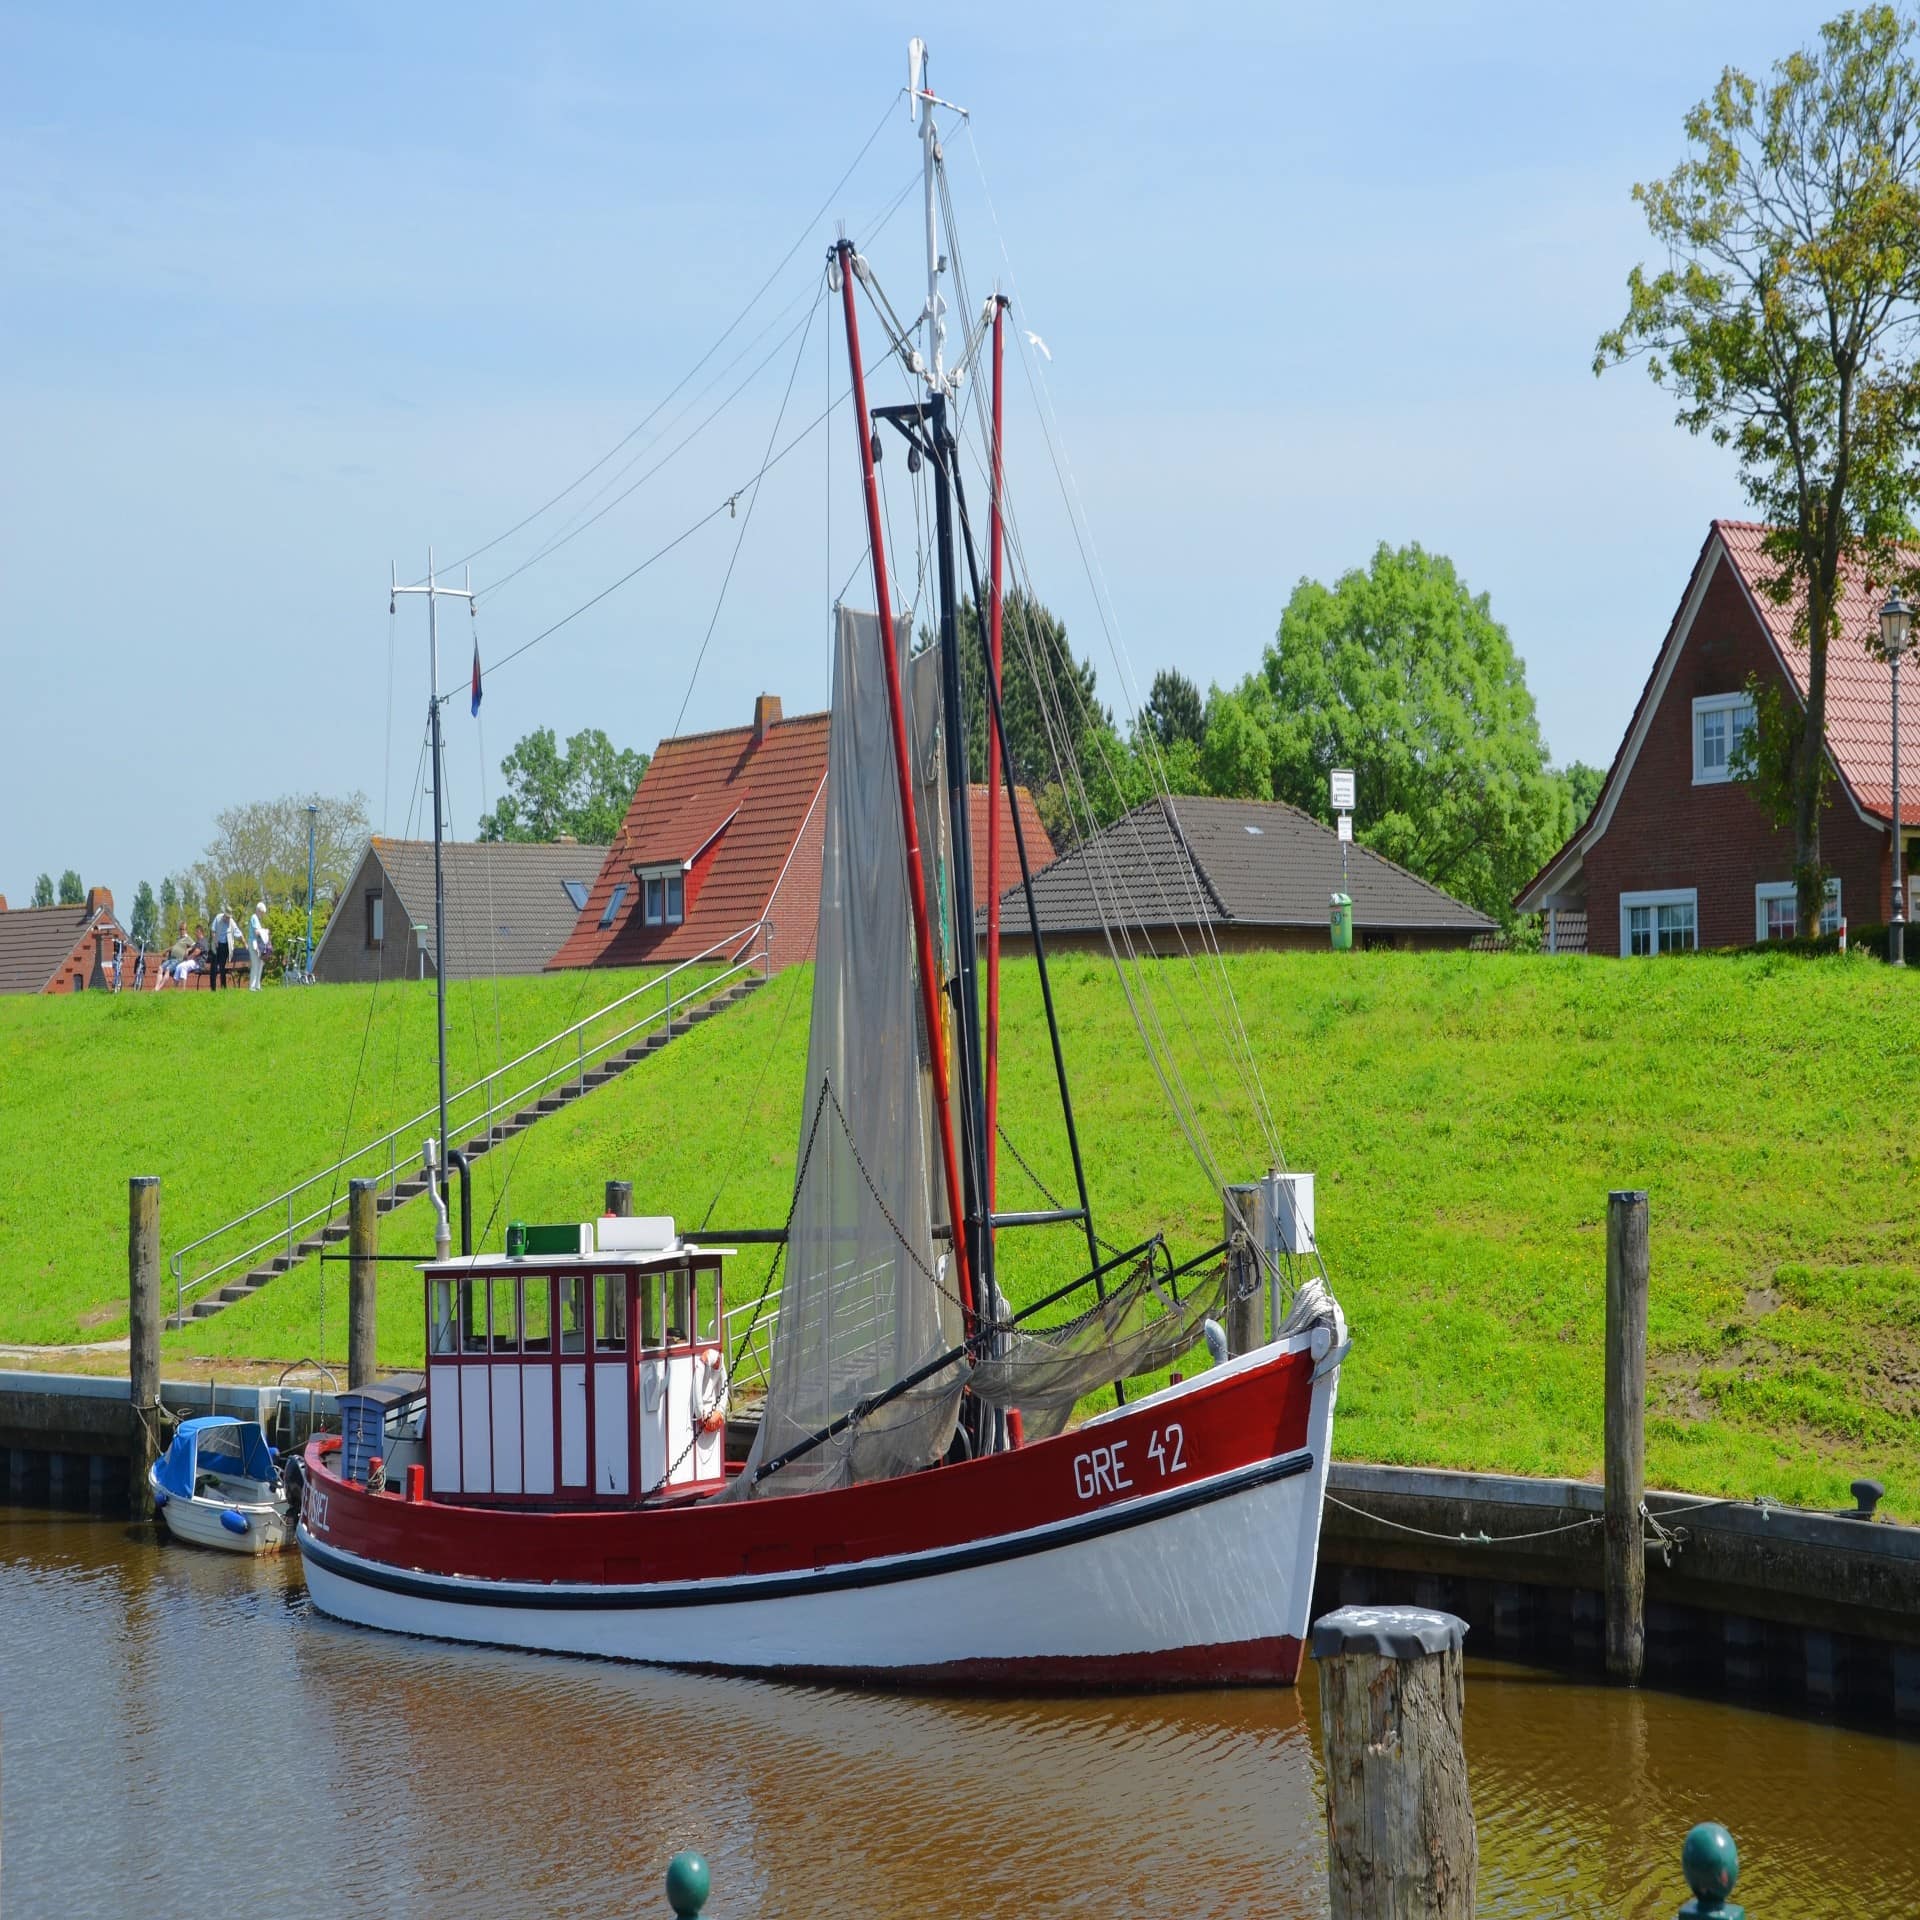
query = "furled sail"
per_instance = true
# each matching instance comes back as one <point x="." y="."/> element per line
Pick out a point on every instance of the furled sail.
<point x="866" y="1300"/>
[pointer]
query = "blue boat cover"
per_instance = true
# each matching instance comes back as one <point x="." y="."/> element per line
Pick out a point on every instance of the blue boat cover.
<point x="214" y="1443"/>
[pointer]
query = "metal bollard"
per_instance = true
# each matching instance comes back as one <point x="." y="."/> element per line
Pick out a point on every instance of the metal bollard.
<point x="1711" y="1863"/>
<point x="688" y="1882"/>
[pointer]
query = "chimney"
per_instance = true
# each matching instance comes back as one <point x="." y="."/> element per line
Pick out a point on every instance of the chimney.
<point x="3" y="903"/>
<point x="766" y="716"/>
<point x="99" y="899"/>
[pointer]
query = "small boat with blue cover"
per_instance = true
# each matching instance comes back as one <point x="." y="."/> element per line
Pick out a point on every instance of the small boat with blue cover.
<point x="219" y="1485"/>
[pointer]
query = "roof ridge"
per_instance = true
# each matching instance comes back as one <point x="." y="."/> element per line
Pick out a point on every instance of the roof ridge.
<point x="745" y="727"/>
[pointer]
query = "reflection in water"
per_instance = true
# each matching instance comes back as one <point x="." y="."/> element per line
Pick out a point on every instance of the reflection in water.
<point x="185" y="1737"/>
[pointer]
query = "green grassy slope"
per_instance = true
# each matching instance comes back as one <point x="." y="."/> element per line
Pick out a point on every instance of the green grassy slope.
<point x="229" y="1098"/>
<point x="1466" y="1115"/>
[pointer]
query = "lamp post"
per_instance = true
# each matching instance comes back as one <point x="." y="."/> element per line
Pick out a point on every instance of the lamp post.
<point x="313" y="814"/>
<point x="1896" y="627"/>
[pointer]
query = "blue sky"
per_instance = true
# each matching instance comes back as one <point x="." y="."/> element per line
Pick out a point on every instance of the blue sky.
<point x="293" y="293"/>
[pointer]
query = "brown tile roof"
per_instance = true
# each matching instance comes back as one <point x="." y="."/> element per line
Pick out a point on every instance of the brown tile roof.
<point x="765" y="792"/>
<point x="35" y="941"/>
<point x="507" y="906"/>
<point x="1255" y="863"/>
<point x="1859" y="686"/>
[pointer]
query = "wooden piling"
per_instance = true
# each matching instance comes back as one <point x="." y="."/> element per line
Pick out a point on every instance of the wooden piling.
<point x="143" y="1340"/>
<point x="1400" y="1835"/>
<point x="620" y="1198"/>
<point x="1240" y="1216"/>
<point x="1628" y="1266"/>
<point x="363" y="1242"/>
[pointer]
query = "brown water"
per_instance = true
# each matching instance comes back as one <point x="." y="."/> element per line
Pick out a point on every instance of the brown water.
<point x="184" y="1736"/>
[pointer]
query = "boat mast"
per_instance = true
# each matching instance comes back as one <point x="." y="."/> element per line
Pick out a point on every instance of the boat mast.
<point x="942" y="446"/>
<point x="996" y="542"/>
<point x="849" y="263"/>
<point x="435" y="593"/>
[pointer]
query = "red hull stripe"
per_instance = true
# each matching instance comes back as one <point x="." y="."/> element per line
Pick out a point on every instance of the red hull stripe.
<point x="463" y="1590"/>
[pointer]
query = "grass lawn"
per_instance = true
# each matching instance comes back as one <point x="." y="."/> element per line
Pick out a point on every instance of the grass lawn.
<point x="229" y="1098"/>
<point x="1466" y="1115"/>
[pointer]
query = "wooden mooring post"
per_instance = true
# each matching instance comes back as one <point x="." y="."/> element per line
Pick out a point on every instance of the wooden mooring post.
<point x="1626" y="1560"/>
<point x="1400" y="1835"/>
<point x="363" y="1317"/>
<point x="143" y="1340"/>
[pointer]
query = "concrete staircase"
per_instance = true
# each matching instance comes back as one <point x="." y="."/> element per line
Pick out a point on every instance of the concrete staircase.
<point x="561" y="1094"/>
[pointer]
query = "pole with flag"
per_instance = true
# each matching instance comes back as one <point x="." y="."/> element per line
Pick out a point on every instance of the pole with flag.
<point x="476" y="668"/>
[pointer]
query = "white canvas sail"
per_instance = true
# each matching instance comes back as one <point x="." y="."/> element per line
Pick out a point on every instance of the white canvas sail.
<point x="865" y="1298"/>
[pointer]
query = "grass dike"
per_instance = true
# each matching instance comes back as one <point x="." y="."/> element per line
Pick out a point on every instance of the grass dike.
<point x="1466" y="1115"/>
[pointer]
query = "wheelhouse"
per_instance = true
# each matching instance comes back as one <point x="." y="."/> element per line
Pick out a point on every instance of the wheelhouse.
<point x="585" y="1367"/>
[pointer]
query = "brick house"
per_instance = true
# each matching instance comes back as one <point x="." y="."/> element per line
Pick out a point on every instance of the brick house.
<point x="725" y="830"/>
<point x="60" y="949"/>
<point x="1677" y="853"/>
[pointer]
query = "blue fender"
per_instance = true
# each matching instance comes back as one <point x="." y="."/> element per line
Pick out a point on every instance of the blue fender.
<point x="233" y="1520"/>
<point x="159" y="1498"/>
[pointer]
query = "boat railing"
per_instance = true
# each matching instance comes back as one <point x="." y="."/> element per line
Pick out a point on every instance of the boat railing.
<point x="275" y="1228"/>
<point x="863" y="1328"/>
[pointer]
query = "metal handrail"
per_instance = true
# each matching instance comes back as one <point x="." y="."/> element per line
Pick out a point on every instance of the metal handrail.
<point x="748" y="948"/>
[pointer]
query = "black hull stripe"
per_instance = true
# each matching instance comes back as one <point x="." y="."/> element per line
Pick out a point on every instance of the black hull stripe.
<point x="464" y="1590"/>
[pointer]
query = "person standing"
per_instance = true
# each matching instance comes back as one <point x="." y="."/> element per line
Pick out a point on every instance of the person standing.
<point x="226" y="931"/>
<point x="259" y="945"/>
<point x="119" y="953"/>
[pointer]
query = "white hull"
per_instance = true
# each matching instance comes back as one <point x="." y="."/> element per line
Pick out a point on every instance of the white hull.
<point x="198" y="1523"/>
<point x="1217" y="1580"/>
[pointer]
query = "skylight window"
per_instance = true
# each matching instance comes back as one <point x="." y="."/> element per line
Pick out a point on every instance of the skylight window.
<point x="614" y="903"/>
<point x="577" y="893"/>
<point x="1260" y="830"/>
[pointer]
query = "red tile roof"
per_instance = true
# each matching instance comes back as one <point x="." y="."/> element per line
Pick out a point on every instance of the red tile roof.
<point x="1859" y="686"/>
<point x="1039" y="845"/>
<point x="764" y="804"/>
<point x="769" y="790"/>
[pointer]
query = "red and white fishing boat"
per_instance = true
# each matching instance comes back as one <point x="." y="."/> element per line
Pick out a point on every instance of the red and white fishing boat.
<point x="922" y="1501"/>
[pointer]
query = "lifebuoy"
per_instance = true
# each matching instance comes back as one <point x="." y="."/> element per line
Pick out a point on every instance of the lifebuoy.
<point x="715" y="1417"/>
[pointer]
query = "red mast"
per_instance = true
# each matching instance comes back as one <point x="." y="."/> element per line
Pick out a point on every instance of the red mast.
<point x="903" y="768"/>
<point x="993" y="782"/>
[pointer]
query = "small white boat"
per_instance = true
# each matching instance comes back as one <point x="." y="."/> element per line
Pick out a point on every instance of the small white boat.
<point x="218" y="1485"/>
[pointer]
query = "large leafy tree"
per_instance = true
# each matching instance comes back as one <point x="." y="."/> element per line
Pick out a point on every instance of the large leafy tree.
<point x="43" y="891"/>
<point x="1786" y="323"/>
<point x="1402" y="674"/>
<point x="72" y="892"/>
<point x="259" y="852"/>
<point x="583" y="791"/>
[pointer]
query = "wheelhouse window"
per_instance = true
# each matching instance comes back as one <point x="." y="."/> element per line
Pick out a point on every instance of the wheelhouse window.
<point x="610" y="1328"/>
<point x="442" y="1338"/>
<point x="664" y="896"/>
<point x="1659" y="922"/>
<point x="473" y="1316"/>
<point x="506" y="1314"/>
<point x="536" y="1315"/>
<point x="573" y="1313"/>
<point x="1776" y="910"/>
<point x="1721" y="723"/>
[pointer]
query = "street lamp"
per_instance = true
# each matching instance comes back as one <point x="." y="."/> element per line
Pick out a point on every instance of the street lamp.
<point x="313" y="813"/>
<point x="1896" y="626"/>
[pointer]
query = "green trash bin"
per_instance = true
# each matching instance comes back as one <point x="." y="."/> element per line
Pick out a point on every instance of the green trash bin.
<point x="1343" y="923"/>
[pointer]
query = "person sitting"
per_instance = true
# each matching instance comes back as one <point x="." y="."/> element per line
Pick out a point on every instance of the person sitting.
<point x="177" y="957"/>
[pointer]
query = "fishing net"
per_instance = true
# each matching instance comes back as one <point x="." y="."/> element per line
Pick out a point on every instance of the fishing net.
<point x="867" y="1300"/>
<point x="1141" y="1326"/>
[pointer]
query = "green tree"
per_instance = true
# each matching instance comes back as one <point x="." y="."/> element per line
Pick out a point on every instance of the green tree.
<point x="584" y="791"/>
<point x="1236" y="756"/>
<point x="43" y="891"/>
<point x="259" y="852"/>
<point x="1784" y="323"/>
<point x="1404" y="675"/>
<point x="1583" y="784"/>
<point x="145" y="923"/>
<point x="72" y="893"/>
<point x="169" y="908"/>
<point x="1174" y="709"/>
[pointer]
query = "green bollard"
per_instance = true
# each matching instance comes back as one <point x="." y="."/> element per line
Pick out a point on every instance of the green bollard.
<point x="1342" y="923"/>
<point x="688" y="1882"/>
<point x="1711" y="1863"/>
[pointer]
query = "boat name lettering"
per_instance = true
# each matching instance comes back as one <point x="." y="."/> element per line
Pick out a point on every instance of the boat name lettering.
<point x="314" y="1509"/>
<point x="1168" y="1449"/>
<point x="1104" y="1470"/>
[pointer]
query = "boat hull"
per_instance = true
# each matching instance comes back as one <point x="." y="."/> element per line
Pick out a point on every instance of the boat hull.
<point x="198" y="1524"/>
<point x="1170" y="1544"/>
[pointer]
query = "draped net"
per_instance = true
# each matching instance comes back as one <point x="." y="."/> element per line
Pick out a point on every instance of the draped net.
<point x="866" y="1300"/>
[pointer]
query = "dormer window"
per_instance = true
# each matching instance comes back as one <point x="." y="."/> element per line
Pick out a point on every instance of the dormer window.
<point x="1721" y="722"/>
<point x="665" y="896"/>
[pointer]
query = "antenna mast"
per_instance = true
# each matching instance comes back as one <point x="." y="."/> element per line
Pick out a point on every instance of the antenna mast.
<point x="435" y="594"/>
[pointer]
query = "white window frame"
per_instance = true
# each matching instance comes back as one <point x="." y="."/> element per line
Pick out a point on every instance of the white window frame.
<point x="671" y="882"/>
<point x="1729" y="704"/>
<point x="1784" y="890"/>
<point x="1664" y="897"/>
